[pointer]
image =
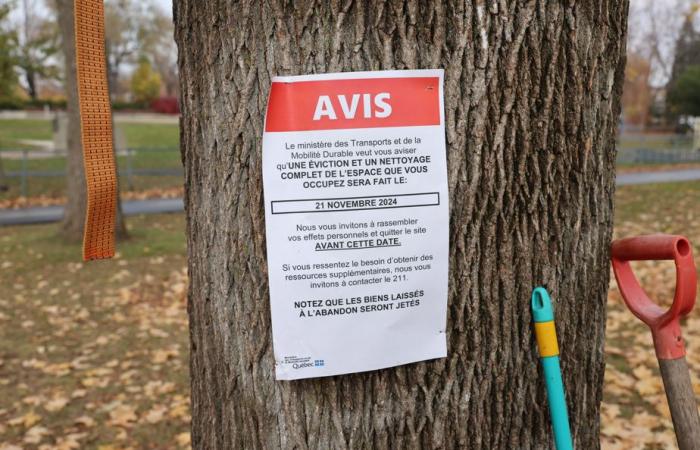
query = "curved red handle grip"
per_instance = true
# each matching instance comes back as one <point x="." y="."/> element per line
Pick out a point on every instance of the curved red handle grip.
<point x="665" y="325"/>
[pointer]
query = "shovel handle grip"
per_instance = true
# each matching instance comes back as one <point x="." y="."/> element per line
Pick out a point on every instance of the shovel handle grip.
<point x="681" y="401"/>
<point x="664" y="324"/>
<point x="650" y="247"/>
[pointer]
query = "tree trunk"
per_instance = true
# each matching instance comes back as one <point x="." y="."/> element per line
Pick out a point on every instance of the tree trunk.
<point x="30" y="78"/>
<point x="3" y="181"/>
<point x="29" y="74"/>
<point x="112" y="72"/>
<point x="73" y="222"/>
<point x="532" y="95"/>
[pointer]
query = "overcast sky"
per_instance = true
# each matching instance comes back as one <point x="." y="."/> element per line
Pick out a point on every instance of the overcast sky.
<point x="39" y="7"/>
<point x="166" y="5"/>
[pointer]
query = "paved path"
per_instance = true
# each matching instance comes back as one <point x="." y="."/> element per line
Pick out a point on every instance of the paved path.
<point x="47" y="214"/>
<point x="665" y="176"/>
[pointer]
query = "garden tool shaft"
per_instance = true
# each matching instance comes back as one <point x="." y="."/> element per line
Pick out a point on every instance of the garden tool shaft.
<point x="546" y="335"/>
<point x="665" y="325"/>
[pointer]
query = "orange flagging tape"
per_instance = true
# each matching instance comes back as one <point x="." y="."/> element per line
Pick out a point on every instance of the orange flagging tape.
<point x="95" y="130"/>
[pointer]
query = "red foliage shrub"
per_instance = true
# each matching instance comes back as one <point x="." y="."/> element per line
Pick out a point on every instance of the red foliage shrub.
<point x="165" y="105"/>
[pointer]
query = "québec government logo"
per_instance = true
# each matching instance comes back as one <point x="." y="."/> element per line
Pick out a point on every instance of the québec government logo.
<point x="303" y="365"/>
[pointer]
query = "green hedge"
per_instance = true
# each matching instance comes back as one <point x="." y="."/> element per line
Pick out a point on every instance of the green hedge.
<point x="11" y="103"/>
<point x="15" y="104"/>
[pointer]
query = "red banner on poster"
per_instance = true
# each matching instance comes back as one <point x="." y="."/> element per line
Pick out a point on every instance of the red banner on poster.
<point x="353" y="103"/>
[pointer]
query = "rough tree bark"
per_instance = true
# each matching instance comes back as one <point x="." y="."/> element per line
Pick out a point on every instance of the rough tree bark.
<point x="73" y="221"/>
<point x="532" y="99"/>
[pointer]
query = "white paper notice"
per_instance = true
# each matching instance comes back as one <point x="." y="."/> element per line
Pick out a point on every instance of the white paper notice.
<point x="355" y="183"/>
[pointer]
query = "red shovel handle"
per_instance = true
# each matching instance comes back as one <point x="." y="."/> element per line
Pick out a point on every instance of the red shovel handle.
<point x="665" y="325"/>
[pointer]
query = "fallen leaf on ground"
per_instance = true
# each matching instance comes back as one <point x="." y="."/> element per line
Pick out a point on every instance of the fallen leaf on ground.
<point x="28" y="420"/>
<point x="35" y="434"/>
<point x="85" y="421"/>
<point x="183" y="439"/>
<point x="122" y="415"/>
<point x="156" y="414"/>
<point x="56" y="404"/>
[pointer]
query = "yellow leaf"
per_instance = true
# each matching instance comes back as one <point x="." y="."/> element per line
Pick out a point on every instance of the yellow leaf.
<point x="94" y="382"/>
<point x="122" y="415"/>
<point x="609" y="412"/>
<point x="183" y="439"/>
<point x="33" y="400"/>
<point x="59" y="370"/>
<point x="665" y="438"/>
<point x="28" y="420"/>
<point x="642" y="372"/>
<point x="86" y="421"/>
<point x="9" y="447"/>
<point x="645" y="420"/>
<point x="35" y="434"/>
<point x="69" y="442"/>
<point x="156" y="414"/>
<point x="649" y="386"/>
<point x="56" y="404"/>
<point x="162" y="355"/>
<point x="661" y="404"/>
<point x="121" y="434"/>
<point x="79" y="393"/>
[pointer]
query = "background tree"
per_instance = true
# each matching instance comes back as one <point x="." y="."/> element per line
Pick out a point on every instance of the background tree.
<point x="157" y="44"/>
<point x="8" y="76"/>
<point x="654" y="30"/>
<point x="636" y="94"/>
<point x="38" y="43"/>
<point x="73" y="222"/>
<point x="123" y="20"/>
<point x="135" y="30"/>
<point x="8" y="54"/>
<point x="145" y="83"/>
<point x="687" y="49"/>
<point x="684" y="96"/>
<point x="687" y="54"/>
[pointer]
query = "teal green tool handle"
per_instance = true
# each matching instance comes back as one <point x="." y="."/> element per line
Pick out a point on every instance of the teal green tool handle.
<point x="549" y="353"/>
<point x="557" y="403"/>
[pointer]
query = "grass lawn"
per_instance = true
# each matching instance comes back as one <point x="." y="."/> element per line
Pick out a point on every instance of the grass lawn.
<point x="647" y="150"/>
<point x="654" y="141"/>
<point x="137" y="135"/>
<point x="96" y="354"/>
<point x="13" y="130"/>
<point x="151" y="135"/>
<point x="156" y="147"/>
<point x="140" y="159"/>
<point x="54" y="186"/>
